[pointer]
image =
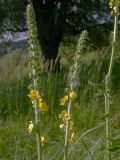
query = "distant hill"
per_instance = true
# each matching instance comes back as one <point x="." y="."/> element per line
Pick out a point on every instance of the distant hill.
<point x="7" y="47"/>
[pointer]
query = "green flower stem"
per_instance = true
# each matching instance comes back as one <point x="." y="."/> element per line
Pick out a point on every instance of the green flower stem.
<point x="37" y="115"/>
<point x="114" y="40"/>
<point x="107" y="89"/>
<point x="33" y="72"/>
<point x="38" y="133"/>
<point x="74" y="82"/>
<point x="37" y="122"/>
<point x="67" y="132"/>
<point x="107" y="111"/>
<point x="67" y="125"/>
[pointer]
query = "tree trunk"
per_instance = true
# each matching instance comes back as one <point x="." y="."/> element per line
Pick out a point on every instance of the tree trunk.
<point x="49" y="33"/>
<point x="49" y="50"/>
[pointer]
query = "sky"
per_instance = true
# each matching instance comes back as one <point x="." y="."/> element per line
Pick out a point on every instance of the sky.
<point x="9" y="36"/>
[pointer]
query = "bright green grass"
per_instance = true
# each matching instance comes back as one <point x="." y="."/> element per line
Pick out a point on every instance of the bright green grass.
<point x="16" y="143"/>
<point x="16" y="112"/>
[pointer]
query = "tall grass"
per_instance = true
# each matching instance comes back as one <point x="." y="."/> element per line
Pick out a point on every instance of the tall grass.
<point x="16" y="111"/>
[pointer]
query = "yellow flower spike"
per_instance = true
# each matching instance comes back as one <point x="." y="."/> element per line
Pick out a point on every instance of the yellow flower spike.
<point x="44" y="140"/>
<point x="34" y="95"/>
<point x="73" y="138"/>
<point x="73" y="95"/>
<point x="43" y="106"/>
<point x="76" y="106"/>
<point x="30" y="127"/>
<point x="64" y="116"/>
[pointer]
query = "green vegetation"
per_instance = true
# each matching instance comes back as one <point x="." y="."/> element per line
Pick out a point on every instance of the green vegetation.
<point x="16" y="110"/>
<point x="73" y="111"/>
<point x="54" y="19"/>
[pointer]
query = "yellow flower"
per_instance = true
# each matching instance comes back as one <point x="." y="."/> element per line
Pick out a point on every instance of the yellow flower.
<point x="73" y="95"/>
<point x="30" y="127"/>
<point x="64" y="100"/>
<point x="73" y="138"/>
<point x="64" y="116"/>
<point x="44" y="140"/>
<point x="34" y="95"/>
<point x="66" y="97"/>
<point x="76" y="106"/>
<point x="43" y="106"/>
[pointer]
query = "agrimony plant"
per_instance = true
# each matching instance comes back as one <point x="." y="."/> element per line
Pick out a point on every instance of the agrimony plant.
<point x="69" y="99"/>
<point x="37" y="101"/>
<point x="33" y="62"/>
<point x="113" y="4"/>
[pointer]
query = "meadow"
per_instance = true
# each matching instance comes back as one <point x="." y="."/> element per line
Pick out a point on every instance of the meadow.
<point x="16" y="110"/>
<point x="73" y="112"/>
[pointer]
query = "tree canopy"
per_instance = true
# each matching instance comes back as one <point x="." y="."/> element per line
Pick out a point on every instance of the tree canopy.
<point x="76" y="14"/>
<point x="53" y="19"/>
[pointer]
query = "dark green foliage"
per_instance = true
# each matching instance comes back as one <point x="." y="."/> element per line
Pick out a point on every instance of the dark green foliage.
<point x="12" y="15"/>
<point x="55" y="18"/>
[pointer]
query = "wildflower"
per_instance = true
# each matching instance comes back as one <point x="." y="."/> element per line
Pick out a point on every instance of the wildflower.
<point x="64" y="116"/>
<point x="66" y="97"/>
<point x="76" y="106"/>
<point x="73" y="138"/>
<point x="62" y="126"/>
<point x="64" y="100"/>
<point x="34" y="95"/>
<point x="44" y="140"/>
<point x="30" y="127"/>
<point x="73" y="95"/>
<point x="43" y="106"/>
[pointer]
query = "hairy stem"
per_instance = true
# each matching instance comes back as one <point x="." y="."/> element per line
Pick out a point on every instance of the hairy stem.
<point x="114" y="41"/>
<point x="37" y="119"/>
<point x="107" y="114"/>
<point x="38" y="133"/>
<point x="107" y="90"/>
<point x="67" y="133"/>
